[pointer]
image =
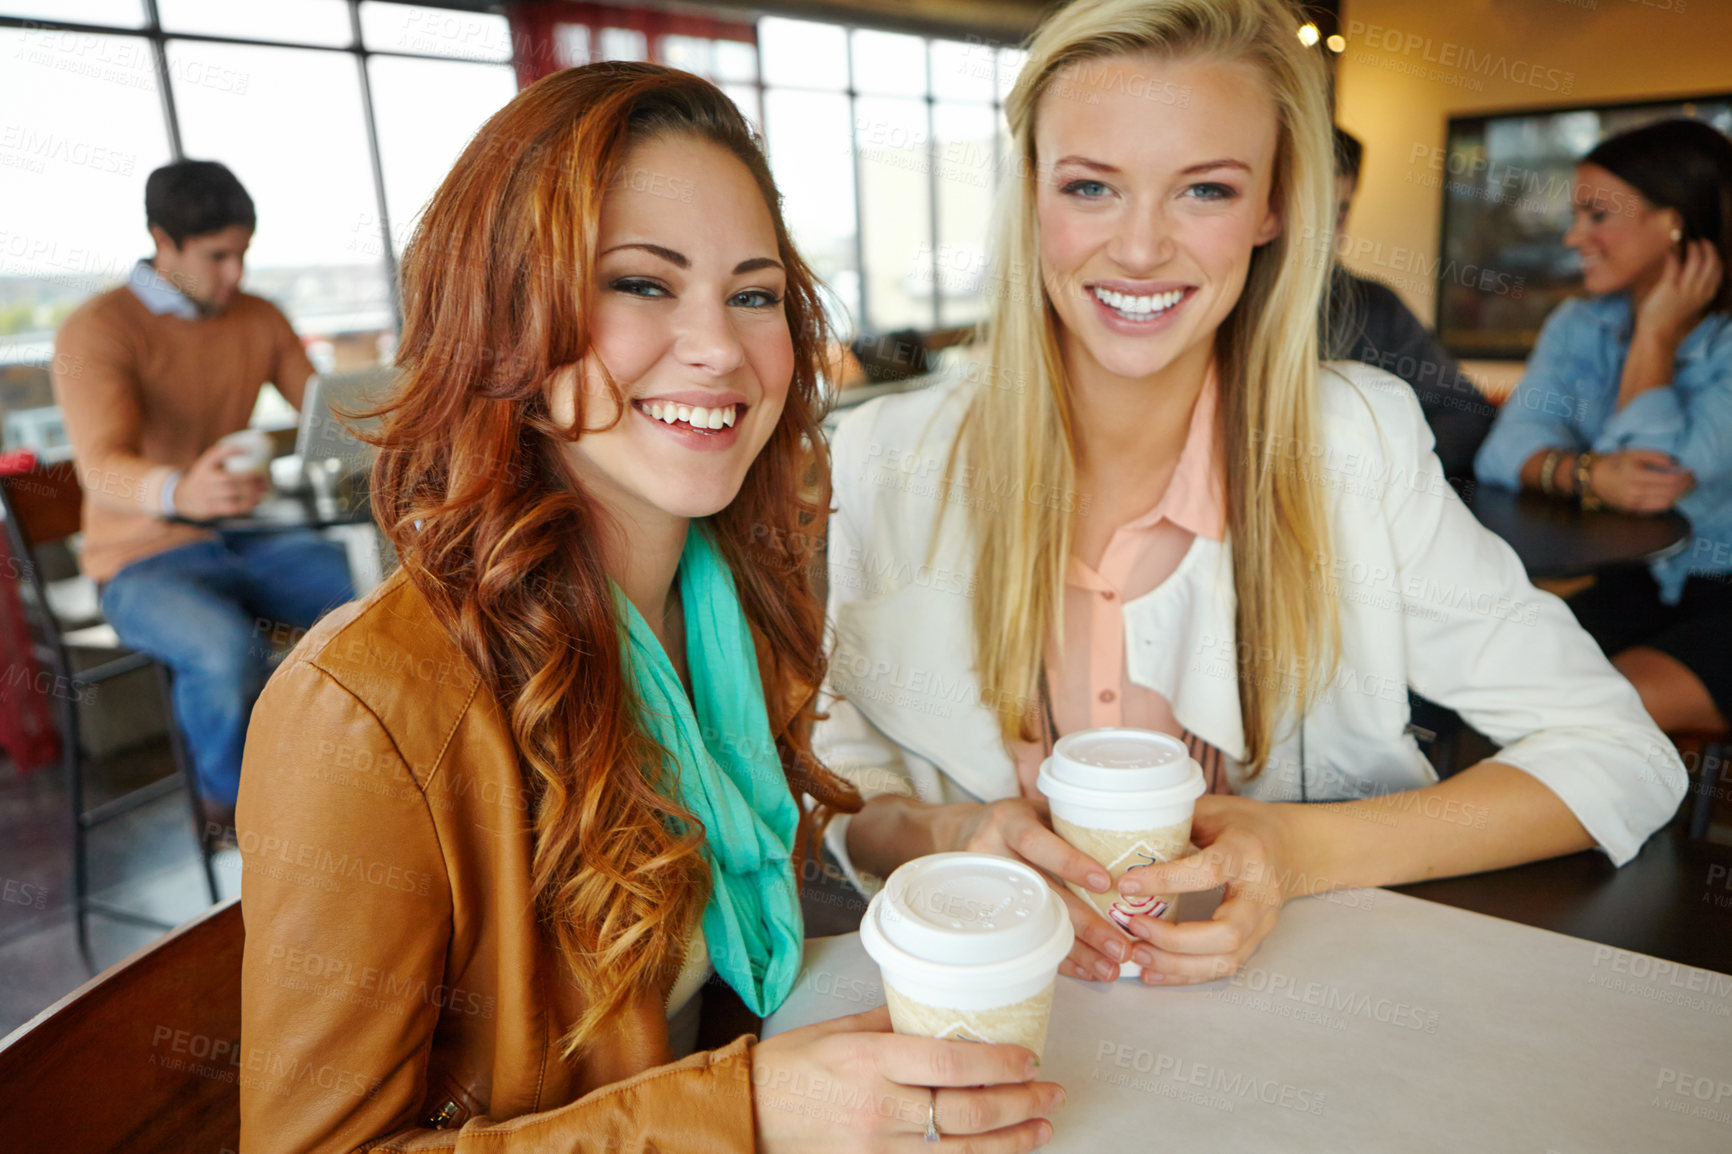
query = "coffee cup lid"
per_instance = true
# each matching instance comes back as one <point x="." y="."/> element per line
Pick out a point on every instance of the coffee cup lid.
<point x="970" y="910"/>
<point x="1124" y="761"/>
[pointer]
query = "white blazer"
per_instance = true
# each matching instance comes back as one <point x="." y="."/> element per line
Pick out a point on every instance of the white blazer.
<point x="1427" y="597"/>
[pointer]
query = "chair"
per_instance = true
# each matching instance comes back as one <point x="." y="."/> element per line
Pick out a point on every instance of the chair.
<point x="43" y="506"/>
<point x="1705" y="754"/>
<point x="144" y="1058"/>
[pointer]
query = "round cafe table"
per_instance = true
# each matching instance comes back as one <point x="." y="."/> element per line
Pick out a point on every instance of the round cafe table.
<point x="1556" y="539"/>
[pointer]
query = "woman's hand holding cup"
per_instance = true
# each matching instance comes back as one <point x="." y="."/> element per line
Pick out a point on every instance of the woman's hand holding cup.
<point x="1244" y="847"/>
<point x="1021" y="829"/>
<point x="851" y="1085"/>
<point x="1125" y="797"/>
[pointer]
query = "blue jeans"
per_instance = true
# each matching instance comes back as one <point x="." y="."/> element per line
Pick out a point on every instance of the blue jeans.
<point x="211" y="611"/>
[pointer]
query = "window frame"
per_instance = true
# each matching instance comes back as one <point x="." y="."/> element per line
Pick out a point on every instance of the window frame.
<point x="153" y="32"/>
<point x="863" y="317"/>
<point x="158" y="38"/>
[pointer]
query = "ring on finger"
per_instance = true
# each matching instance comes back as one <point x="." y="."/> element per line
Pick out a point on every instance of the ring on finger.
<point x="932" y="1134"/>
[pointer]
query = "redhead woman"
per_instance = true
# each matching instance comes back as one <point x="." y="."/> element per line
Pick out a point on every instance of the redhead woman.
<point x="511" y="822"/>
<point x="1156" y="508"/>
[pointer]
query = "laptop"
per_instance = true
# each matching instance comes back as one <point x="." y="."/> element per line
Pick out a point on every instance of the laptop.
<point x="327" y="432"/>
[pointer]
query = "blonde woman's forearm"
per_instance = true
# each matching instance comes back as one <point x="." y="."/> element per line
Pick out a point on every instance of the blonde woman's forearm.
<point x="1487" y="817"/>
<point x="892" y="829"/>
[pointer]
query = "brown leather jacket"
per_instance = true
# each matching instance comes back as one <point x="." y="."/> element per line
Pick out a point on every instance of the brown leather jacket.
<point x="397" y="993"/>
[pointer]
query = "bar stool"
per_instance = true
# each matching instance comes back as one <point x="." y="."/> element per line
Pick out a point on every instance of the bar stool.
<point x="44" y="505"/>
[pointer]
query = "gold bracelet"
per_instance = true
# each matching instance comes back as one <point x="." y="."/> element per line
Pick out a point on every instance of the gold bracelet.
<point x="1549" y="471"/>
<point x="1585" y="482"/>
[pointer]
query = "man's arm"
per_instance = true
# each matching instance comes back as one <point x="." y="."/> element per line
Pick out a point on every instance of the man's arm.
<point x="293" y="370"/>
<point x="96" y="388"/>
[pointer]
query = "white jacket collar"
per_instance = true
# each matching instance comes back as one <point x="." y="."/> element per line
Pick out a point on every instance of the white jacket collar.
<point x="909" y="687"/>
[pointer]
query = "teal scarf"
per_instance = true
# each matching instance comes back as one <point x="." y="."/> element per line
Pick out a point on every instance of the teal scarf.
<point x="725" y="770"/>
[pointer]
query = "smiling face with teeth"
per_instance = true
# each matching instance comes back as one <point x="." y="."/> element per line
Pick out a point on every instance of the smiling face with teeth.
<point x="689" y="324"/>
<point x="1149" y="210"/>
<point x="1621" y="237"/>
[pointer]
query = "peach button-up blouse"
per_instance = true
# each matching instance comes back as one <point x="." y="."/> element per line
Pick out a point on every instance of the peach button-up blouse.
<point x="1086" y="669"/>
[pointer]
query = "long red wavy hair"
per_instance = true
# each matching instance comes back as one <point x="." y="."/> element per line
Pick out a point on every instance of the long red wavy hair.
<point x="503" y="541"/>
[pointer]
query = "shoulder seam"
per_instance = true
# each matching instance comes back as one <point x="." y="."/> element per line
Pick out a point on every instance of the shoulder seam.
<point x="432" y="767"/>
<point x="445" y="744"/>
<point x="421" y="790"/>
<point x="377" y="720"/>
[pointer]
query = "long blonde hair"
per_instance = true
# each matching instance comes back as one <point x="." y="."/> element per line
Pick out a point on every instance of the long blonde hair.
<point x="1267" y="361"/>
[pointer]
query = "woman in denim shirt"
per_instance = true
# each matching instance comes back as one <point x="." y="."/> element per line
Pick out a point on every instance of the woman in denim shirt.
<point x="1627" y="403"/>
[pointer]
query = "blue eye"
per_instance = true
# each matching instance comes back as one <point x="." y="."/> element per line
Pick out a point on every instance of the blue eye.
<point x="636" y="286"/>
<point x="756" y="299"/>
<point x="1213" y="190"/>
<point x="1085" y="189"/>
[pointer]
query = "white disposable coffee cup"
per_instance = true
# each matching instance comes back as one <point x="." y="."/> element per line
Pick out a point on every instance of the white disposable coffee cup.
<point x="255" y="452"/>
<point x="968" y="946"/>
<point x="1124" y="797"/>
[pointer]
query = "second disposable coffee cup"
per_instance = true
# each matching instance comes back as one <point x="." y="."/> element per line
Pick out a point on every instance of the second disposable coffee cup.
<point x="1125" y="798"/>
<point x="968" y="945"/>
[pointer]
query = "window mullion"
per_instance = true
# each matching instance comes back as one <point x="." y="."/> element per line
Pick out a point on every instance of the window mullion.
<point x="865" y="322"/>
<point x="159" y="53"/>
<point x="389" y="247"/>
<point x="932" y="187"/>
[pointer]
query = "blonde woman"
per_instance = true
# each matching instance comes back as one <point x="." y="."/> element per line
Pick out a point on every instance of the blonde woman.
<point x="1156" y="508"/>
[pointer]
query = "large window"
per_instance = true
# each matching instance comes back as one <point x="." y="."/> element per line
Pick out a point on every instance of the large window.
<point x="889" y="152"/>
<point x="296" y="136"/>
<point x="887" y="147"/>
<point x="426" y="111"/>
<point x="342" y="117"/>
<point x="323" y="22"/>
<point x="339" y="147"/>
<point x="72" y="175"/>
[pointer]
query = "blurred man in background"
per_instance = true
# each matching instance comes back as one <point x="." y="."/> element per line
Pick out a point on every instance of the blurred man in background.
<point x="150" y="377"/>
<point x="1367" y="322"/>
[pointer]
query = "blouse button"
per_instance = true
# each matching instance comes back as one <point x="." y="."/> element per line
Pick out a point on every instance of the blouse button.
<point x="1107" y="696"/>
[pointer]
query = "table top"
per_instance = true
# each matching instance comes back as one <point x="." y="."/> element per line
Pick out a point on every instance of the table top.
<point x="1556" y="539"/>
<point x="280" y="511"/>
<point x="1370" y="1020"/>
<point x="1673" y="900"/>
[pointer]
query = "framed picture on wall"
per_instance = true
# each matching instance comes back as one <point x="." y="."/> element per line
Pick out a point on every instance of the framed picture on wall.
<point x="1507" y="181"/>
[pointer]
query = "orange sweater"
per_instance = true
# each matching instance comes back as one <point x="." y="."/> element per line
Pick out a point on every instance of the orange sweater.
<point x="145" y="393"/>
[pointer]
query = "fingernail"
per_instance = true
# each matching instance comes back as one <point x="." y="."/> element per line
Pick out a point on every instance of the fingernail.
<point x="1128" y="886"/>
<point x="1100" y="882"/>
<point x="1063" y="1099"/>
<point x="1143" y="958"/>
<point x="1153" y="977"/>
<point x="1106" y="970"/>
<point x="1045" y="1133"/>
<point x="1033" y="1065"/>
<point x="1116" y="949"/>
